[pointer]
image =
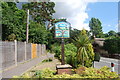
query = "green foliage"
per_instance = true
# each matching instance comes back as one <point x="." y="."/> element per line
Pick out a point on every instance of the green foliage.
<point x="57" y="50"/>
<point x="104" y="72"/>
<point x="81" y="72"/>
<point x="37" y="33"/>
<point x="40" y="11"/>
<point x="47" y="60"/>
<point x="111" y="34"/>
<point x="46" y="73"/>
<point x="85" y="54"/>
<point x="95" y="27"/>
<point x="13" y="21"/>
<point x="82" y="46"/>
<point x="11" y="37"/>
<point x="70" y="54"/>
<point x="112" y="45"/>
<point x="51" y="39"/>
<point x="97" y="57"/>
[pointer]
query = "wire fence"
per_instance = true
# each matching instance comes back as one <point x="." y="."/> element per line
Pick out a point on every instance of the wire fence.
<point x="16" y="52"/>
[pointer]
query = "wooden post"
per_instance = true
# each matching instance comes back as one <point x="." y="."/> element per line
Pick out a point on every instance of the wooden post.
<point x="15" y="52"/>
<point x="62" y="54"/>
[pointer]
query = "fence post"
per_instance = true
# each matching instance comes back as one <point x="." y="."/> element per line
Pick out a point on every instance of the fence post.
<point x="25" y="51"/>
<point x="45" y="49"/>
<point x="36" y="50"/>
<point x="40" y="49"/>
<point x="1" y="60"/>
<point x="31" y="50"/>
<point x="15" y="52"/>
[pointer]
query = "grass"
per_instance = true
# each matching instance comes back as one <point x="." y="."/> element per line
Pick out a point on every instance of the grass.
<point x="47" y="60"/>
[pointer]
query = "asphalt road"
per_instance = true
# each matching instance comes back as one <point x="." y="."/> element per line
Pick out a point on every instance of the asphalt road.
<point x="107" y="62"/>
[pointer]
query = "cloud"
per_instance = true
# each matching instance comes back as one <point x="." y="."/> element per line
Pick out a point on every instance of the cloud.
<point x="74" y="11"/>
<point x="118" y="27"/>
<point x="109" y="25"/>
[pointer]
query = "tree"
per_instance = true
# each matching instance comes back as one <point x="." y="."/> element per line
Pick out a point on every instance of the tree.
<point x="85" y="52"/>
<point x="38" y="33"/>
<point x="112" y="45"/>
<point x="40" y="11"/>
<point x="118" y="34"/>
<point x="111" y="33"/>
<point x="13" y="22"/>
<point x="95" y="27"/>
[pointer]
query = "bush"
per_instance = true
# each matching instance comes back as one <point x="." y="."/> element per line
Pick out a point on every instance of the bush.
<point x="47" y="60"/>
<point x="97" y="57"/>
<point x="81" y="72"/>
<point x="70" y="53"/>
<point x="57" y="50"/>
<point x="112" y="45"/>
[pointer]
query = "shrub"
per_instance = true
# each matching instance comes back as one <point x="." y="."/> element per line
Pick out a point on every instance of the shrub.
<point x="112" y="45"/>
<point x="85" y="53"/>
<point x="81" y="72"/>
<point x="47" y="60"/>
<point x="97" y="57"/>
<point x="70" y="53"/>
<point x="57" y="50"/>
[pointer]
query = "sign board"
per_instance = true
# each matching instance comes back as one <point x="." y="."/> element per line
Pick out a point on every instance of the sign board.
<point x="62" y="30"/>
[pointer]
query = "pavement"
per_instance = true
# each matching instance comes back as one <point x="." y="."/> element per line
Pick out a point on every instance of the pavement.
<point x="107" y="62"/>
<point x="21" y="68"/>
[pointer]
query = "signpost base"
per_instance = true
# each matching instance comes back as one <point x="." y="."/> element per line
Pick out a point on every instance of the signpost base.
<point x="67" y="69"/>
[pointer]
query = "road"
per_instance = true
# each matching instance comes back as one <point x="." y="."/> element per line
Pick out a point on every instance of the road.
<point x="107" y="62"/>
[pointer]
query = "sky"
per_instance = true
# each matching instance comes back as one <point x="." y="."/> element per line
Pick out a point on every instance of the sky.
<point x="79" y="13"/>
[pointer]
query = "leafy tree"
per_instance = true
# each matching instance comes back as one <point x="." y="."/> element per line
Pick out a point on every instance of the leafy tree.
<point x="38" y="33"/>
<point x="13" y="22"/>
<point x="73" y="34"/>
<point x="112" y="45"/>
<point x="105" y="35"/>
<point x="95" y="27"/>
<point x="112" y="33"/>
<point x="40" y="11"/>
<point x="118" y="34"/>
<point x="85" y="52"/>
